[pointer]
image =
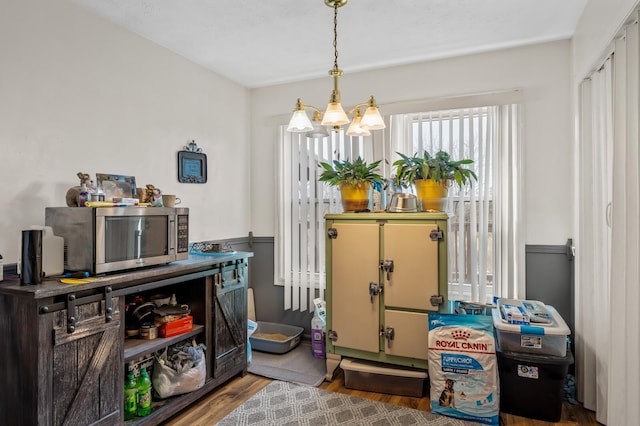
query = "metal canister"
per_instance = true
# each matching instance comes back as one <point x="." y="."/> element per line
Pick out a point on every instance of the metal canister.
<point x="148" y="331"/>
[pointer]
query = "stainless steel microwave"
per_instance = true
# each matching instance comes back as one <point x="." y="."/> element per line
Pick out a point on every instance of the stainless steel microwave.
<point x="109" y="239"/>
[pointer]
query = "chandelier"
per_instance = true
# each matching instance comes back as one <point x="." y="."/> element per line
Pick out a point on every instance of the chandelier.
<point x="334" y="115"/>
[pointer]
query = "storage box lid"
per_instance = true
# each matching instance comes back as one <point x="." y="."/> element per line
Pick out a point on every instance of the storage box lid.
<point x="559" y="327"/>
<point x="375" y="368"/>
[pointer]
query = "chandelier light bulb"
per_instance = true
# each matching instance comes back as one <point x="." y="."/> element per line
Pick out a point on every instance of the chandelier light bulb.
<point x="299" y="122"/>
<point x="334" y="115"/>
<point x="356" y="129"/>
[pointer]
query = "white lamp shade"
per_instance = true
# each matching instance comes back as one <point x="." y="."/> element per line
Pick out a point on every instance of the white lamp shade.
<point x="334" y="115"/>
<point x="318" y="131"/>
<point x="355" y="129"/>
<point x="372" y="119"/>
<point x="299" y="122"/>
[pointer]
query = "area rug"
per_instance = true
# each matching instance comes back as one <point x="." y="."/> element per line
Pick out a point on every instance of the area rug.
<point x="288" y="404"/>
<point x="296" y="366"/>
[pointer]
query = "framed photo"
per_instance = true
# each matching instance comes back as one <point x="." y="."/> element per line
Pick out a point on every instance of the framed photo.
<point x="116" y="185"/>
<point x="192" y="167"/>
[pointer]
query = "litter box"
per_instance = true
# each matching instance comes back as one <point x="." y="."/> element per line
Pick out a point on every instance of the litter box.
<point x="275" y="338"/>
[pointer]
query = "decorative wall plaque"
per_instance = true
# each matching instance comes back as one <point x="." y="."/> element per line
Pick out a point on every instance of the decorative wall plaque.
<point x="192" y="164"/>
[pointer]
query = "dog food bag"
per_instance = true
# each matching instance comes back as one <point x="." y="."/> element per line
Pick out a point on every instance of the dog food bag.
<point x="463" y="368"/>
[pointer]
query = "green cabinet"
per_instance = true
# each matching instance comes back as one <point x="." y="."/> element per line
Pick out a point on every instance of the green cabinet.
<point x="385" y="273"/>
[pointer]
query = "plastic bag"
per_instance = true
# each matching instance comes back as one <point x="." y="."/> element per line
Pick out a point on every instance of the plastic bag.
<point x="168" y="381"/>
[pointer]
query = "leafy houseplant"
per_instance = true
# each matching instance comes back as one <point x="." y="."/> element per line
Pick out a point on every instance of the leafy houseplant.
<point x="432" y="175"/>
<point x="354" y="178"/>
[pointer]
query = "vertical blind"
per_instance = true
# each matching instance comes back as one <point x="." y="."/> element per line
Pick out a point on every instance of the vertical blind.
<point x="305" y="201"/>
<point x="490" y="137"/>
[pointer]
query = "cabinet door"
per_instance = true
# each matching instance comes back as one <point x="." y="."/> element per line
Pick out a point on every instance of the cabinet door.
<point x="415" y="265"/>
<point x="410" y="334"/>
<point x="230" y="320"/>
<point x="87" y="367"/>
<point x="355" y="316"/>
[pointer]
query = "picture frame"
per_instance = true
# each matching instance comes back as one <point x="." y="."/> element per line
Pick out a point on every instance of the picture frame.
<point x="192" y="165"/>
<point x="119" y="186"/>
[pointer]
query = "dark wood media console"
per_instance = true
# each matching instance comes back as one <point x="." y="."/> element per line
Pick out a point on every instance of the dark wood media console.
<point x="65" y="352"/>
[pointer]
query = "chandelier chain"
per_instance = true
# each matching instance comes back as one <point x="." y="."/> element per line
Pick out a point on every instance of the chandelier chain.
<point x="335" y="36"/>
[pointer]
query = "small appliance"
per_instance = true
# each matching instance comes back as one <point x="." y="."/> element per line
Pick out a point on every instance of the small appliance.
<point x="41" y="255"/>
<point x="109" y="239"/>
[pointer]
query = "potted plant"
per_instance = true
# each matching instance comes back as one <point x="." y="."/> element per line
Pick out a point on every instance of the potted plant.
<point x="354" y="178"/>
<point x="432" y="175"/>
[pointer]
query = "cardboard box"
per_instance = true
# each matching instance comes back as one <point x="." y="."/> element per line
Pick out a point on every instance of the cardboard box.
<point x="179" y="326"/>
<point x="515" y="314"/>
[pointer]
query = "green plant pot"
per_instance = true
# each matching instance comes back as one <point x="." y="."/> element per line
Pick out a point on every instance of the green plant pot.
<point x="432" y="195"/>
<point x="355" y="197"/>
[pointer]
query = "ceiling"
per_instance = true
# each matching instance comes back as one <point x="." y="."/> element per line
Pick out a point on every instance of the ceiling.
<point x="265" y="42"/>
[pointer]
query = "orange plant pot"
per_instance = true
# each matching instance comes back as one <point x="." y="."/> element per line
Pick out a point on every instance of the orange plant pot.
<point x="355" y="197"/>
<point x="432" y="195"/>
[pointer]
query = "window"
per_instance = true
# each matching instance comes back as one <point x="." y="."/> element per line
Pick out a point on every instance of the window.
<point x="482" y="234"/>
<point x="463" y="133"/>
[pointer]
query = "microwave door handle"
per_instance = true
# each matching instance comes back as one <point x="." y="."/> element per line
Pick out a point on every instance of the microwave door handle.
<point x="138" y="241"/>
<point x="138" y="244"/>
<point x="172" y="235"/>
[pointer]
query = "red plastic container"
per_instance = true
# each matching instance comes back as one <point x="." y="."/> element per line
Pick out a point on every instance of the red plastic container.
<point x="176" y="327"/>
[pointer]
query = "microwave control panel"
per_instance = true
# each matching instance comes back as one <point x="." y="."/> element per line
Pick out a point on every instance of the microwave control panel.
<point x="183" y="234"/>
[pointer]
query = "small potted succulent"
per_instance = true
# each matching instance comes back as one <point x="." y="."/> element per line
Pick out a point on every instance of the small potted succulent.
<point x="432" y="176"/>
<point x="354" y="178"/>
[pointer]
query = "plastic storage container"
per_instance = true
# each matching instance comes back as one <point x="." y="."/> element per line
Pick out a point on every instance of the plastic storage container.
<point x="533" y="385"/>
<point x="545" y="339"/>
<point x="376" y="377"/>
<point x="275" y="338"/>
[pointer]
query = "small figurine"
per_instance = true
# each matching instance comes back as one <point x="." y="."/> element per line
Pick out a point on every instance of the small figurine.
<point x="156" y="198"/>
<point x="150" y="194"/>
<point x="73" y="193"/>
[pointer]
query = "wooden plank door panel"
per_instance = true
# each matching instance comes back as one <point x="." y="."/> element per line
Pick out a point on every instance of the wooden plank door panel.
<point x="88" y="367"/>
<point x="229" y="318"/>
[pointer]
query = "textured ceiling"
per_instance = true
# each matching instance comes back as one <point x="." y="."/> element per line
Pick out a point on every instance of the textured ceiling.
<point x="265" y="42"/>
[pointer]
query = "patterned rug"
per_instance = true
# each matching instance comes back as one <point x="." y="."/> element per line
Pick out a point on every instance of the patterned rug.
<point x="289" y="404"/>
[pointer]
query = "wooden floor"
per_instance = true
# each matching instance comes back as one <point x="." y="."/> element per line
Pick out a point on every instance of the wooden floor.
<point x="215" y="406"/>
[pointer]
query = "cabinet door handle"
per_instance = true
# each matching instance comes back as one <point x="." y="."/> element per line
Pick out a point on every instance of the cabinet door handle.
<point x="374" y="290"/>
<point x="389" y="333"/>
<point x="387" y="265"/>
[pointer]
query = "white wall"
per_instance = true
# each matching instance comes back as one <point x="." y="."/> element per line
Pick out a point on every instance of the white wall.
<point x="78" y="94"/>
<point x="542" y="72"/>
<point x="596" y="29"/>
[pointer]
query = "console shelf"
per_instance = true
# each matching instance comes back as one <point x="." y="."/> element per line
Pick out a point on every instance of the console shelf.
<point x="134" y="348"/>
